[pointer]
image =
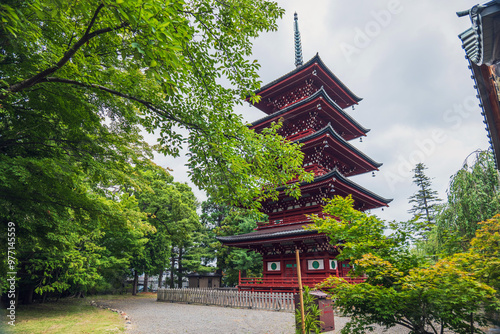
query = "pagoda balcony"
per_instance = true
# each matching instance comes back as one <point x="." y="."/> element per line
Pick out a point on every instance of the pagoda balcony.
<point x="285" y="284"/>
<point x="304" y="218"/>
<point x="301" y="134"/>
<point x="316" y="169"/>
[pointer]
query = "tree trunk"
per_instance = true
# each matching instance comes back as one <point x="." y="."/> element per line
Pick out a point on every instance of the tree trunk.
<point x="136" y="280"/>
<point x="172" y="268"/>
<point x="179" y="270"/>
<point x="29" y="297"/>
<point x="159" y="280"/>
<point x="146" y="278"/>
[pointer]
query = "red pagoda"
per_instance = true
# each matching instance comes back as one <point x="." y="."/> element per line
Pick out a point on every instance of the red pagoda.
<point x="311" y="101"/>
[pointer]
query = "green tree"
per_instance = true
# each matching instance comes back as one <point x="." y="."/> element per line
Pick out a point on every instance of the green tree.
<point x="232" y="260"/>
<point x="200" y="256"/>
<point x="400" y="287"/>
<point x="425" y="201"/>
<point x="224" y="220"/>
<point x="473" y="196"/>
<point x="123" y="64"/>
<point x="482" y="259"/>
<point x="78" y="80"/>
<point x="120" y="247"/>
<point x="70" y="257"/>
<point x="212" y="217"/>
<point x="171" y="210"/>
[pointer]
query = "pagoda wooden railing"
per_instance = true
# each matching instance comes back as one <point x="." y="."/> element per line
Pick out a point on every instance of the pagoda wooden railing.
<point x="291" y="220"/>
<point x="289" y="282"/>
<point x="316" y="169"/>
<point x="300" y="134"/>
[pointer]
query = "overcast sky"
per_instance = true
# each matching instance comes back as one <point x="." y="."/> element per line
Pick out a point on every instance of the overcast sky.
<point x="405" y="60"/>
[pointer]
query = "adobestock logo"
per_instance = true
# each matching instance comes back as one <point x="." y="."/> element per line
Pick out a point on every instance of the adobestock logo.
<point x="364" y="36"/>
<point x="426" y="147"/>
<point x="460" y="111"/>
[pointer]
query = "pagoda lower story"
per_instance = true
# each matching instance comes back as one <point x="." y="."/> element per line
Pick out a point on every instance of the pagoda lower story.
<point x="278" y="245"/>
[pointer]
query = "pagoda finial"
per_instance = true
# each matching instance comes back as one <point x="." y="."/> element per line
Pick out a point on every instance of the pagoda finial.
<point x="298" y="45"/>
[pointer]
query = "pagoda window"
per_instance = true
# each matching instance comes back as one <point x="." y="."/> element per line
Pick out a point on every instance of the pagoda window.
<point x="316" y="264"/>
<point x="274" y="266"/>
<point x="333" y="264"/>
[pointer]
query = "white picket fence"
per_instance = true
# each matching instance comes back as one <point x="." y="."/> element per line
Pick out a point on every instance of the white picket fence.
<point x="256" y="300"/>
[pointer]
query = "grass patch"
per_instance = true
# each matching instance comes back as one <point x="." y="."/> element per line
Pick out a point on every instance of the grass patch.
<point x="66" y="316"/>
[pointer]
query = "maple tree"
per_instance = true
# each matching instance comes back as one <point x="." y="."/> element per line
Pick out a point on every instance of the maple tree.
<point x="402" y="287"/>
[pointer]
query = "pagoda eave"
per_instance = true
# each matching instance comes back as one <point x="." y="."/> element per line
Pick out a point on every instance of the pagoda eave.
<point x="325" y="107"/>
<point x="279" y="240"/>
<point x="275" y="235"/>
<point x="330" y="143"/>
<point x="335" y="182"/>
<point x="312" y="70"/>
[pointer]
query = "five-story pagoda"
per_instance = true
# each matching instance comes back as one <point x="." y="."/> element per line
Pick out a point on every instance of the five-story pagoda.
<point x="311" y="101"/>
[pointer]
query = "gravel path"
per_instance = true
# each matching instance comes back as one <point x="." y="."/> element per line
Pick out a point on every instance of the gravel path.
<point x="150" y="316"/>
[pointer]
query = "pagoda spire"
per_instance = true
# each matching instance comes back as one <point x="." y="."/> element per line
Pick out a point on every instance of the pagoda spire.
<point x="298" y="45"/>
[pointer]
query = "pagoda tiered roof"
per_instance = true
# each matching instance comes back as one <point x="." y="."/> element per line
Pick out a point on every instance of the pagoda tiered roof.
<point x="314" y="72"/>
<point x="289" y="211"/>
<point x="278" y="233"/>
<point x="340" y="185"/>
<point x="353" y="161"/>
<point x="326" y="108"/>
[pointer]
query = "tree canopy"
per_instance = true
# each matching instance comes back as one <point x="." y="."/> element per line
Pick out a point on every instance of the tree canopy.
<point x="224" y="220"/>
<point x="473" y="196"/>
<point x="425" y="200"/>
<point x="171" y="210"/>
<point x="81" y="80"/>
<point x="82" y="77"/>
<point x="402" y="287"/>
